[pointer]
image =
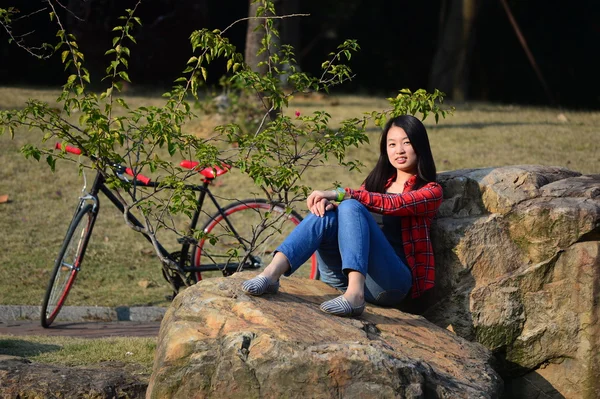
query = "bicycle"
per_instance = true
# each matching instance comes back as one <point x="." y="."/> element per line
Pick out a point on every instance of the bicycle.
<point x="228" y="224"/>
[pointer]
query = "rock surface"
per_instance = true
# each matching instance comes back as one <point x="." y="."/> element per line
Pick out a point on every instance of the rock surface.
<point x="215" y="341"/>
<point x="518" y="260"/>
<point x="23" y="379"/>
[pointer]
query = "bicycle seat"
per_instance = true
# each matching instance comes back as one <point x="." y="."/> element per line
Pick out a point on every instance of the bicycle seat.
<point x="210" y="172"/>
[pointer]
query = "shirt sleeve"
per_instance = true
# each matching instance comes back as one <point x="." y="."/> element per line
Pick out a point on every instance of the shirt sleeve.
<point x="424" y="201"/>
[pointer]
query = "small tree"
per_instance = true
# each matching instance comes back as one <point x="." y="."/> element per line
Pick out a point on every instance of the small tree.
<point x="273" y="151"/>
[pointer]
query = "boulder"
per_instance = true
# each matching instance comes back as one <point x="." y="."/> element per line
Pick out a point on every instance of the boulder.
<point x="216" y="341"/>
<point x="518" y="270"/>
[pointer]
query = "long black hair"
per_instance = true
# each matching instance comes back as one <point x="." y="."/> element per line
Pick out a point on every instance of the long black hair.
<point x="417" y="134"/>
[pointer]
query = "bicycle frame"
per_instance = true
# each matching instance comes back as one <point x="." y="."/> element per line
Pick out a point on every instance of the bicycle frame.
<point x="100" y="186"/>
<point x="204" y="191"/>
<point x="179" y="268"/>
<point x="177" y="262"/>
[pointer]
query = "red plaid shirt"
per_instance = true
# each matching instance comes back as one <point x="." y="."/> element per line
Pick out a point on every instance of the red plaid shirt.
<point x="418" y="207"/>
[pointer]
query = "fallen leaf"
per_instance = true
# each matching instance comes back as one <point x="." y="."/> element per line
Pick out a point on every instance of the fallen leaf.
<point x="147" y="284"/>
<point x="148" y="252"/>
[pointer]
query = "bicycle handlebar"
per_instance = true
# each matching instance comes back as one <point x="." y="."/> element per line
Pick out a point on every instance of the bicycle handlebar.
<point x="129" y="171"/>
<point x="68" y="148"/>
<point x="140" y="177"/>
<point x="189" y="164"/>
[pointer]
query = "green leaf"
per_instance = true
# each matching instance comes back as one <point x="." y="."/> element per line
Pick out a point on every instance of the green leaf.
<point x="122" y="102"/>
<point x="124" y="76"/>
<point x="171" y="148"/>
<point x="83" y="119"/>
<point x="51" y="161"/>
<point x="64" y="55"/>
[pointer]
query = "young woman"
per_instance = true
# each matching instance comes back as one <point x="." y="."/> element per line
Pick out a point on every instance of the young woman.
<point x="374" y="245"/>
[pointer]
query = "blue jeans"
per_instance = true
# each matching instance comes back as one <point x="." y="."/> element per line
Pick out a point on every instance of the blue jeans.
<point x="345" y="239"/>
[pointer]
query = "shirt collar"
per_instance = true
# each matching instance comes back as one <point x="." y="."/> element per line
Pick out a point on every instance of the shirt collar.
<point x="409" y="183"/>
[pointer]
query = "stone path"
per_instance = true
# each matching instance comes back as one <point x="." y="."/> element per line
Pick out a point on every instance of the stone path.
<point x="85" y="322"/>
<point x="82" y="329"/>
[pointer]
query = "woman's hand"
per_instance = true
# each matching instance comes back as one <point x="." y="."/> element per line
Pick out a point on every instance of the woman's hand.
<point x="321" y="207"/>
<point x="318" y="202"/>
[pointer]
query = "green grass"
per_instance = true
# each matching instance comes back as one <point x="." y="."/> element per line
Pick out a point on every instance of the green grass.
<point x="132" y="353"/>
<point x="119" y="264"/>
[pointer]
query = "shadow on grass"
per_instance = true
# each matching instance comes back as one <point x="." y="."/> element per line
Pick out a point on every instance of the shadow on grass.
<point x="22" y="348"/>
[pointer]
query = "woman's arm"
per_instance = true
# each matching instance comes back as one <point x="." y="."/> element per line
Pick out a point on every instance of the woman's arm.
<point x="423" y="201"/>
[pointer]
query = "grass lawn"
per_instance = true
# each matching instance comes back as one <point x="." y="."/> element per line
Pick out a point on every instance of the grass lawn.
<point x="119" y="267"/>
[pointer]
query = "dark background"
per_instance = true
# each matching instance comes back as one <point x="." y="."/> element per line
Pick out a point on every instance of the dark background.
<point x="398" y="39"/>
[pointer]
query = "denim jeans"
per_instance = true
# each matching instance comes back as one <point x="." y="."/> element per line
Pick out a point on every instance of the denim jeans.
<point x="349" y="238"/>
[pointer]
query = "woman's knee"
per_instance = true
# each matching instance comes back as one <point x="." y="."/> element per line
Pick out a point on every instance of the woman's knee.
<point x="323" y="226"/>
<point x="350" y="206"/>
<point x="311" y="218"/>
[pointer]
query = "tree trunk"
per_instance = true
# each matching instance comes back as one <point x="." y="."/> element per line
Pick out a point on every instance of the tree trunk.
<point x="254" y="36"/>
<point x="450" y="69"/>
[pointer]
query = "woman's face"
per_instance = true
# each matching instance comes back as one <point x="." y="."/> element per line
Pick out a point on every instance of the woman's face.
<point x="400" y="152"/>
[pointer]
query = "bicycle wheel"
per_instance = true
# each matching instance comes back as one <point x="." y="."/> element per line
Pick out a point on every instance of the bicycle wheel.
<point x="67" y="264"/>
<point x="247" y="218"/>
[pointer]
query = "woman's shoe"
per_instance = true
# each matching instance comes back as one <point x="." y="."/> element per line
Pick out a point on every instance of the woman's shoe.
<point x="260" y="285"/>
<point x="341" y="307"/>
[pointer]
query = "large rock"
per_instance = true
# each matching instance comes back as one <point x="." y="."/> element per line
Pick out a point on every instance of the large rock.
<point x="517" y="253"/>
<point x="216" y="341"/>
